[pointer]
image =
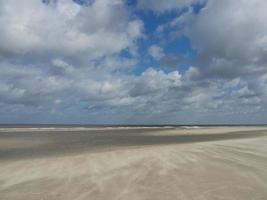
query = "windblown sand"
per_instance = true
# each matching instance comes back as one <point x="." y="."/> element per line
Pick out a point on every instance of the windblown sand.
<point x="225" y="169"/>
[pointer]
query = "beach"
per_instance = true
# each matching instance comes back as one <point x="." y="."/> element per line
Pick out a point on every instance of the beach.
<point x="194" y="163"/>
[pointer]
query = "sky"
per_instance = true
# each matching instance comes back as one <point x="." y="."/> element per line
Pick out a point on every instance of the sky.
<point x="133" y="61"/>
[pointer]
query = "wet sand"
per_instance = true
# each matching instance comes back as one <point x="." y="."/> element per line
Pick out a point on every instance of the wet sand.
<point x="199" y="164"/>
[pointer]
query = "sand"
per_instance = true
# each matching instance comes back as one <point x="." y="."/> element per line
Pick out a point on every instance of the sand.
<point x="231" y="166"/>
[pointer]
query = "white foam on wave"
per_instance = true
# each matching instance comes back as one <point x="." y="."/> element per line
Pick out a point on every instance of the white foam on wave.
<point x="191" y="127"/>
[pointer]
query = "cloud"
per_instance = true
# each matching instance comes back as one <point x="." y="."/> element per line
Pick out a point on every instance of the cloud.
<point x="152" y="81"/>
<point x="76" y="61"/>
<point x="161" y="6"/>
<point x="27" y="85"/>
<point x="172" y="60"/>
<point x="87" y="92"/>
<point x="63" y="28"/>
<point x="231" y="38"/>
<point x="156" y="52"/>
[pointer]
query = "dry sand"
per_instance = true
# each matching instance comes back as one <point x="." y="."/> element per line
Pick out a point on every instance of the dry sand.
<point x="227" y="167"/>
